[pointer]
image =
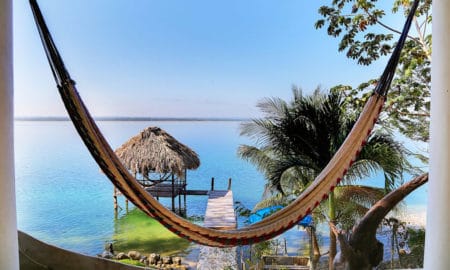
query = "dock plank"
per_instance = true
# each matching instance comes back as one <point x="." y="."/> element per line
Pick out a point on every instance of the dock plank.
<point x="220" y="210"/>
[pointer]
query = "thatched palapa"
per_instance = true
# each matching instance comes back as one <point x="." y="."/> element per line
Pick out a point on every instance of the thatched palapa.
<point x="155" y="151"/>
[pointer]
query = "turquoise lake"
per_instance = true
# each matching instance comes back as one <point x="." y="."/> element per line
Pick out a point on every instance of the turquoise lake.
<point x="64" y="199"/>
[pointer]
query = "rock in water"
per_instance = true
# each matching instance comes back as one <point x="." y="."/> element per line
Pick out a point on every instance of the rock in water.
<point x="109" y="247"/>
<point x="107" y="255"/>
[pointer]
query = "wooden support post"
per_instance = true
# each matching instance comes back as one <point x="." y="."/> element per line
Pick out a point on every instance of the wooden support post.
<point x="179" y="202"/>
<point x="212" y="183"/>
<point x="184" y="193"/>
<point x="116" y="206"/>
<point x="184" y="197"/>
<point x="173" y="193"/>
<point x="229" y="183"/>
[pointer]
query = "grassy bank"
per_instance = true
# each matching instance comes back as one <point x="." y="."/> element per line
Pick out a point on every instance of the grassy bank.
<point x="137" y="231"/>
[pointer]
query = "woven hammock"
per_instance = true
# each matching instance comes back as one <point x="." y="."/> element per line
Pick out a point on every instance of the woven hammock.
<point x="269" y="227"/>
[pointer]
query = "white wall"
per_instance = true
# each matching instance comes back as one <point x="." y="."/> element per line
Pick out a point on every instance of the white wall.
<point x="9" y="256"/>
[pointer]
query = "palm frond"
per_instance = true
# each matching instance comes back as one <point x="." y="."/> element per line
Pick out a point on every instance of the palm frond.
<point x="258" y="156"/>
<point x="280" y="170"/>
<point x="276" y="199"/>
<point x="273" y="108"/>
<point x="362" y="195"/>
<point x="390" y="156"/>
<point x="354" y="201"/>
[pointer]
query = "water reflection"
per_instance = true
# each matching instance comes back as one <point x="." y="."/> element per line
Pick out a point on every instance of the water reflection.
<point x="211" y="258"/>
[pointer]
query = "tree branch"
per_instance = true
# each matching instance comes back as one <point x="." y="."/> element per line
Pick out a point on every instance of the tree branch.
<point x="363" y="250"/>
<point x="415" y="114"/>
<point x="392" y="29"/>
<point x="366" y="229"/>
<point x="421" y="39"/>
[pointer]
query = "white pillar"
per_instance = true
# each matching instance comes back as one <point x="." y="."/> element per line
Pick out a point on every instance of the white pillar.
<point x="437" y="240"/>
<point x="9" y="254"/>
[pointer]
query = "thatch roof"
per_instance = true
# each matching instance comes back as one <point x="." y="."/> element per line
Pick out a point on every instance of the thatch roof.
<point x="154" y="150"/>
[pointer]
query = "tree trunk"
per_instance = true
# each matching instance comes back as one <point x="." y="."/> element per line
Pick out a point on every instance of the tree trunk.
<point x="363" y="250"/>
<point x="332" y="217"/>
<point x="315" y="251"/>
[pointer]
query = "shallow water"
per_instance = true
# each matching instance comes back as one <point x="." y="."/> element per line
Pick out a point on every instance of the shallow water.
<point x="64" y="199"/>
<point x="211" y="258"/>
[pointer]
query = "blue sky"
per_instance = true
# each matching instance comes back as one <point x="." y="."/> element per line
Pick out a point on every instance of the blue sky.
<point x="196" y="58"/>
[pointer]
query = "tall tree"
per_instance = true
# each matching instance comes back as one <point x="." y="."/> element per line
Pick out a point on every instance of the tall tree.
<point x="295" y="140"/>
<point x="365" y="37"/>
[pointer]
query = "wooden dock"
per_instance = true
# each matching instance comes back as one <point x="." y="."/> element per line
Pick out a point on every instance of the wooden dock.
<point x="220" y="210"/>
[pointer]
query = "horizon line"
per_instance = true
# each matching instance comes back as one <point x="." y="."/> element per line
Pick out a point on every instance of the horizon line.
<point x="131" y="118"/>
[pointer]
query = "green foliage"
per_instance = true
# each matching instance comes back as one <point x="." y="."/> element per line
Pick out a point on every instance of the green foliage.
<point x="353" y="201"/>
<point x="241" y="209"/>
<point x="295" y="140"/>
<point x="408" y="243"/>
<point x="416" y="243"/>
<point x="351" y="23"/>
<point x="365" y="38"/>
<point x="265" y="248"/>
<point x="269" y="247"/>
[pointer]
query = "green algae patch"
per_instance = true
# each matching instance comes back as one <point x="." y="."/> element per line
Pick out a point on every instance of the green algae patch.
<point x="136" y="231"/>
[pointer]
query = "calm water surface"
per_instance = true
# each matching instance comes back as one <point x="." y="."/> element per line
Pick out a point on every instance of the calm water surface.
<point x="64" y="199"/>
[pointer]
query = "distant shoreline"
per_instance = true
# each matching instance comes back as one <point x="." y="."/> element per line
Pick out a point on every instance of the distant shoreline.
<point x="125" y="118"/>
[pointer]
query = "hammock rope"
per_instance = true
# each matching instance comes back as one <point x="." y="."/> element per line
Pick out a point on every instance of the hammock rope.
<point x="263" y="230"/>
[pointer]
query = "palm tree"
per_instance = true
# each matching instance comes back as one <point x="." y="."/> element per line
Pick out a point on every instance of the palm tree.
<point x="295" y="140"/>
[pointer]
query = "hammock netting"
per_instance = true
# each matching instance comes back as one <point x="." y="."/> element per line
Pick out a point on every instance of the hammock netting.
<point x="269" y="227"/>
